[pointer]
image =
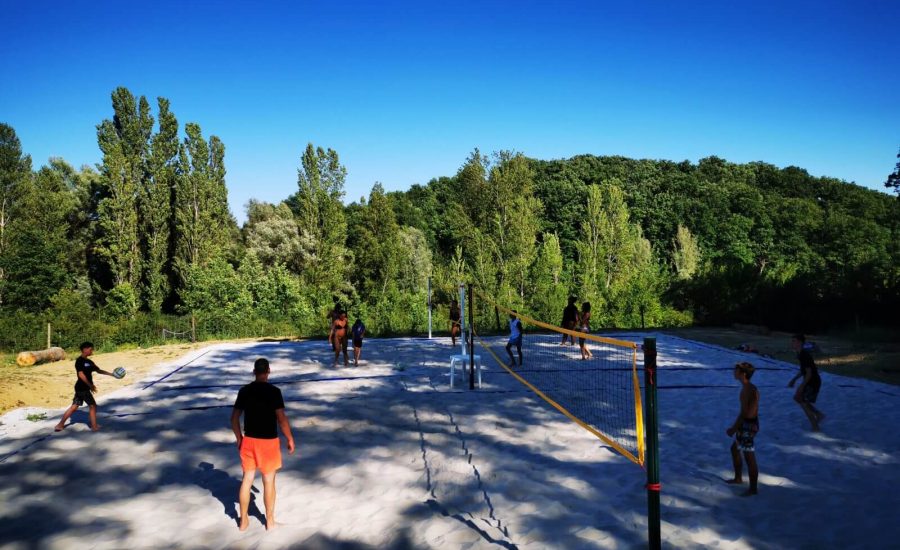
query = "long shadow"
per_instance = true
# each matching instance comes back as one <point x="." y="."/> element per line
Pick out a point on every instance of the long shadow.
<point x="225" y="488"/>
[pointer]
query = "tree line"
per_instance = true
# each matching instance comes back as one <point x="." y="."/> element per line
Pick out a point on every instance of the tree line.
<point x="147" y="232"/>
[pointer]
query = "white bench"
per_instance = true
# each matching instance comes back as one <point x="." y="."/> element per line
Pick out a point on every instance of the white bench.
<point x="464" y="361"/>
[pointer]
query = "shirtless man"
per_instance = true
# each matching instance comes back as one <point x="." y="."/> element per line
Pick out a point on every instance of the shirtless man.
<point x="745" y="427"/>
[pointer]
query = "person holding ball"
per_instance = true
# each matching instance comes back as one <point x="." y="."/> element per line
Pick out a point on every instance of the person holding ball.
<point x="84" y="387"/>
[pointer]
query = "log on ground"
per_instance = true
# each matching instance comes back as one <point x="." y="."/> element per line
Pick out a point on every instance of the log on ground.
<point x="29" y="358"/>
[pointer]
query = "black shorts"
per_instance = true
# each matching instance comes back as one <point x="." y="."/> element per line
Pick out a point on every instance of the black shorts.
<point x="810" y="393"/>
<point x="357" y="342"/>
<point x="744" y="436"/>
<point x="84" y="397"/>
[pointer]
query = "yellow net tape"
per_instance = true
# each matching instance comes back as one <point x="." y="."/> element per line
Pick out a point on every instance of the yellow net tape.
<point x="637" y="454"/>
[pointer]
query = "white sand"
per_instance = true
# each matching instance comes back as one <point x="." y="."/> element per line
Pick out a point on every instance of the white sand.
<point x="392" y="458"/>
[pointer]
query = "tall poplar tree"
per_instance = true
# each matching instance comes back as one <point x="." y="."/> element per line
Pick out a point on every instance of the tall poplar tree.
<point x="321" y="221"/>
<point x="125" y="143"/>
<point x="202" y="219"/>
<point x="155" y="206"/>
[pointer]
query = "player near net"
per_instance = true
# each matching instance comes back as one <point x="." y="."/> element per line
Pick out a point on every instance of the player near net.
<point x="515" y="338"/>
<point x="744" y="429"/>
<point x="455" y="317"/>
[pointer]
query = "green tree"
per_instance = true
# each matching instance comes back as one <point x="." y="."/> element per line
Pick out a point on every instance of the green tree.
<point x="124" y="141"/>
<point x="35" y="259"/>
<point x="155" y="205"/>
<point x="203" y="224"/>
<point x="893" y="180"/>
<point x="324" y="262"/>
<point x="271" y="234"/>
<point x="549" y="289"/>
<point x="686" y="254"/>
<point x="15" y="169"/>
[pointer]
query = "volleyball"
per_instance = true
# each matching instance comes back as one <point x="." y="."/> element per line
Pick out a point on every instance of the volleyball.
<point x="119" y="372"/>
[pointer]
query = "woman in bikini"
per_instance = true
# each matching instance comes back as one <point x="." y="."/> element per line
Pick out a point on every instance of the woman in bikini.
<point x="338" y="338"/>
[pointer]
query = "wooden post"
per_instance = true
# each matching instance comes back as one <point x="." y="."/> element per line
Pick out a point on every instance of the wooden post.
<point x="48" y="336"/>
<point x="193" y="328"/>
<point x="471" y="339"/>
<point x="429" y="308"/>
<point x="652" y="418"/>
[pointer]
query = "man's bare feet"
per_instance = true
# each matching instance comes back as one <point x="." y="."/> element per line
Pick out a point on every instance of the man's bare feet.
<point x="96" y="428"/>
<point x="734" y="481"/>
<point x="244" y="523"/>
<point x="59" y="428"/>
<point x="270" y="524"/>
<point x="749" y="493"/>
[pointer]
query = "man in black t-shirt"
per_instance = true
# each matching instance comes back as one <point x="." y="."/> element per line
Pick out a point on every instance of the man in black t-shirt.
<point x="84" y="387"/>
<point x="808" y="390"/>
<point x="262" y="405"/>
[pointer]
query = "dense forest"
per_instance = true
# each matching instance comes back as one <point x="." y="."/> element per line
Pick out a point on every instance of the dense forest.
<point x="146" y="236"/>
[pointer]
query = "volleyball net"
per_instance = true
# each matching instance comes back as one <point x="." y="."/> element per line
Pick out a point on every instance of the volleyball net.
<point x="591" y="379"/>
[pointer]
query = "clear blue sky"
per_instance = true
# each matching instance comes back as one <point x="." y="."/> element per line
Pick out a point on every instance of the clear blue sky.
<point x="404" y="91"/>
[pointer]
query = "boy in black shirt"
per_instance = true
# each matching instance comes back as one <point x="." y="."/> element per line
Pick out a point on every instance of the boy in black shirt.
<point x="262" y="405"/>
<point x="358" y="332"/>
<point x="808" y="391"/>
<point x="84" y="387"/>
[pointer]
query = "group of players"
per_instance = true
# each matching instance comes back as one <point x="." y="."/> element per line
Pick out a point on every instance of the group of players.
<point x="746" y="425"/>
<point x="262" y="405"/>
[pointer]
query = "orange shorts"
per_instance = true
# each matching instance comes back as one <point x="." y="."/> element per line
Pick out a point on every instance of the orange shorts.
<point x="260" y="454"/>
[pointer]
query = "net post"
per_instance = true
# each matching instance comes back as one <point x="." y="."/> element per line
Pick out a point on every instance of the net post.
<point x="429" y="307"/>
<point x="652" y="419"/>
<point x="193" y="328"/>
<point x="471" y="339"/>
<point x="462" y="319"/>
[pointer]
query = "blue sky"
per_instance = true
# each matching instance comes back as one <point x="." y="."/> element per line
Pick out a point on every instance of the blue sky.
<point x="404" y="91"/>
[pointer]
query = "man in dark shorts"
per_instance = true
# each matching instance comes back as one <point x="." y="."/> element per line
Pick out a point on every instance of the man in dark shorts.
<point x="808" y="391"/>
<point x="744" y="429"/>
<point x="570" y="319"/>
<point x="262" y="405"/>
<point x="84" y="387"/>
<point x="358" y="332"/>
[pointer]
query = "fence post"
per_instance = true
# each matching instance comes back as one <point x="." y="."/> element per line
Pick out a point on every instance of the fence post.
<point x="652" y="418"/>
<point x="48" y="335"/>
<point x="193" y="328"/>
<point x="471" y="338"/>
<point x="429" y="308"/>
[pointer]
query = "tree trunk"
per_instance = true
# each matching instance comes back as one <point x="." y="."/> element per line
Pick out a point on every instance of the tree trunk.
<point x="29" y="358"/>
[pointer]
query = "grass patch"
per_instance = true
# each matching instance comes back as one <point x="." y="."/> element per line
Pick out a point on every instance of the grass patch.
<point x="872" y="354"/>
<point x="36" y="417"/>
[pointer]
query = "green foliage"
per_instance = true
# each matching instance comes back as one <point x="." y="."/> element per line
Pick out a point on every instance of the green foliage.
<point x="150" y="233"/>
<point x="122" y="301"/>
<point x="893" y="180"/>
<point x="686" y="255"/>
<point x="324" y="262"/>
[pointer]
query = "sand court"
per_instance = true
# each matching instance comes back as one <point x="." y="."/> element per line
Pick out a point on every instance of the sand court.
<point x="389" y="457"/>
